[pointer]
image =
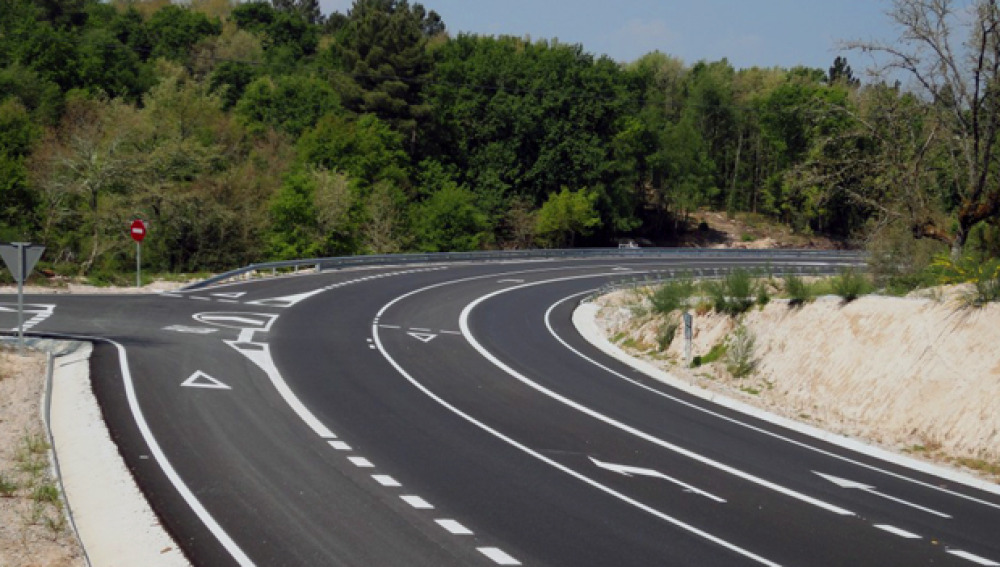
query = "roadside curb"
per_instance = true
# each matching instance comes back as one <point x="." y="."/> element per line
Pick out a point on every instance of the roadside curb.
<point x="584" y="319"/>
<point x="112" y="518"/>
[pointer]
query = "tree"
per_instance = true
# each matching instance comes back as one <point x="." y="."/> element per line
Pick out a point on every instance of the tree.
<point x="448" y="220"/>
<point x="841" y="72"/>
<point x="565" y="215"/>
<point x="962" y="82"/>
<point x="290" y="103"/>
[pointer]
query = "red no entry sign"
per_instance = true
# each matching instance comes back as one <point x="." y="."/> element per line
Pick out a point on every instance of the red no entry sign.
<point x="138" y="230"/>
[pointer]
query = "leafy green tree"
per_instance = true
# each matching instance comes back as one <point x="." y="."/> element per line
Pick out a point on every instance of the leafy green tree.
<point x="566" y="215"/>
<point x="382" y="48"/>
<point x="449" y="220"/>
<point x="290" y="103"/>
<point x="366" y="149"/>
<point x="173" y="30"/>
<point x="287" y="31"/>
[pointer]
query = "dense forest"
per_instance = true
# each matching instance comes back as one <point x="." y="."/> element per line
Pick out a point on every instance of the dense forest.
<point x="266" y="130"/>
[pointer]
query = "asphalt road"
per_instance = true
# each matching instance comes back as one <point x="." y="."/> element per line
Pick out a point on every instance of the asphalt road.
<point x="452" y="415"/>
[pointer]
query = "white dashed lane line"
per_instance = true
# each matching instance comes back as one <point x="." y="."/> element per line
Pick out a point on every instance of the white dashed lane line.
<point x="973" y="558"/>
<point x="417" y="502"/>
<point x="361" y="462"/>
<point x="453" y="527"/>
<point x="340" y="445"/>
<point x="896" y="531"/>
<point x="498" y="556"/>
<point x="386" y="480"/>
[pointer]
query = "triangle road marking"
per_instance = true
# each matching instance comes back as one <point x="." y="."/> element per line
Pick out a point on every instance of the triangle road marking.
<point x="201" y="380"/>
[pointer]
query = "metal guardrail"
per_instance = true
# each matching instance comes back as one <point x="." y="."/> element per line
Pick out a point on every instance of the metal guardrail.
<point x="341" y="262"/>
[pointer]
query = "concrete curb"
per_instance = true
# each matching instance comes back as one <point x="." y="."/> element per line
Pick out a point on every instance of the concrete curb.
<point x="584" y="319"/>
<point x="112" y="517"/>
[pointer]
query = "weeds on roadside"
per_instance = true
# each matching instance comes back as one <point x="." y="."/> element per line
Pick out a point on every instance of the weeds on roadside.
<point x="666" y="333"/>
<point x="798" y="290"/>
<point x="740" y="352"/>
<point x="850" y="285"/>
<point x="733" y="294"/>
<point x="672" y="295"/>
<point x="718" y="351"/>
<point x="7" y="486"/>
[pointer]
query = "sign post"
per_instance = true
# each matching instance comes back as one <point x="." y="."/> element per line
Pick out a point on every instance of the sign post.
<point x="688" y="335"/>
<point x="138" y="233"/>
<point x="20" y="258"/>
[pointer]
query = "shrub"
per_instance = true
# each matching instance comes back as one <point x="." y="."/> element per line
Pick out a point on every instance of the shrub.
<point x="46" y="493"/>
<point x="666" y="334"/>
<point x="798" y="290"/>
<point x="7" y="486"/>
<point x="672" y="295"/>
<point x="717" y="352"/>
<point x="732" y="294"/>
<point x="740" y="350"/>
<point x="850" y="285"/>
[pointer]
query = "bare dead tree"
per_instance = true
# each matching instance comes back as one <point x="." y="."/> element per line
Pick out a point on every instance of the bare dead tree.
<point x="960" y="82"/>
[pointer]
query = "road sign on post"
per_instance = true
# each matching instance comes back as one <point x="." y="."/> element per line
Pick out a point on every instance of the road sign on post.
<point x="138" y="231"/>
<point x="688" y="335"/>
<point x="20" y="258"/>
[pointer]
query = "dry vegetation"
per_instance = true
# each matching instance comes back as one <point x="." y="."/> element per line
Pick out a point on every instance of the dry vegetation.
<point x="34" y="530"/>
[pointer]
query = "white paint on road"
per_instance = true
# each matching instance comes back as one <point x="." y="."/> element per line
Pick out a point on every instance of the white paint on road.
<point x="361" y="462"/>
<point x="339" y="445"/>
<point x="466" y="330"/>
<point x="897" y="531"/>
<point x="237" y="320"/>
<point x="498" y="556"/>
<point x="201" y="380"/>
<point x="453" y="527"/>
<point x="973" y="558"/>
<point x="423" y="337"/>
<point x="287" y="300"/>
<point x="852" y="485"/>
<point x="417" y="502"/>
<point x="386" y="480"/>
<point x="632" y="471"/>
<point x="260" y="354"/>
<point x="190" y="330"/>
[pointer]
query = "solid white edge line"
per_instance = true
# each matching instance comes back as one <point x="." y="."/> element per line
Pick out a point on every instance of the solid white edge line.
<point x="464" y="324"/>
<point x="453" y="527"/>
<point x="973" y="558"/>
<point x="844" y="442"/>
<point x="896" y="531"/>
<point x="531" y="452"/>
<point x="161" y="459"/>
<point x="498" y="556"/>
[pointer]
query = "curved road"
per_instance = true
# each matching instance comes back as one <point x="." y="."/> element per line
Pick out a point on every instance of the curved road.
<point x="452" y="415"/>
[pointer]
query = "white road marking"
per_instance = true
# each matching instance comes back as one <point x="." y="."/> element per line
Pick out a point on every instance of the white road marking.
<point x="260" y="354"/>
<point x="423" y="337"/>
<point x="498" y="556"/>
<point x="230" y="294"/>
<point x="464" y="324"/>
<point x="973" y="558"/>
<point x="459" y="333"/>
<point x="896" y="531"/>
<point x="531" y="452"/>
<point x="339" y="445"/>
<point x="38" y="312"/>
<point x="630" y="471"/>
<point x="852" y="485"/>
<point x="390" y="326"/>
<point x="420" y="330"/>
<point x="227" y="301"/>
<point x="287" y="300"/>
<point x="237" y="320"/>
<point x="453" y="527"/>
<point x="510" y="281"/>
<point x="190" y="330"/>
<point x="201" y="380"/>
<point x="361" y="462"/>
<point x="417" y="502"/>
<point x="199" y="298"/>
<point x="386" y="480"/>
<point x="220" y="534"/>
<point x="734" y="421"/>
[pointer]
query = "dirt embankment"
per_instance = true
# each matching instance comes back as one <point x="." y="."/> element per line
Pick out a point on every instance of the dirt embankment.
<point x="916" y="375"/>
<point x="34" y="530"/>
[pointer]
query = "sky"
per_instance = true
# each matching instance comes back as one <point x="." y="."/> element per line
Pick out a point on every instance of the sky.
<point x="749" y="33"/>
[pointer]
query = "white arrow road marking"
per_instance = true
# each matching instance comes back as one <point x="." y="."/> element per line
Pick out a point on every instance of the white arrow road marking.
<point x="852" y="485"/>
<point x="287" y="300"/>
<point x="255" y="321"/>
<point x="630" y="471"/>
<point x="201" y="380"/>
<point x="423" y="337"/>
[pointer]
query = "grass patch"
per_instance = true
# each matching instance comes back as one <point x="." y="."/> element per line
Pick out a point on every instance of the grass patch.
<point x="750" y="390"/>
<point x="666" y="334"/>
<point x="979" y="465"/>
<point x="618" y="336"/>
<point x="850" y="285"/>
<point x="733" y="294"/>
<point x="740" y="352"/>
<point x="798" y="291"/>
<point x="713" y="355"/>
<point x="46" y="493"/>
<point x="7" y="486"/>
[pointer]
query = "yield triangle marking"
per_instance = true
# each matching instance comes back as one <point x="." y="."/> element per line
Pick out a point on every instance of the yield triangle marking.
<point x="201" y="380"/>
<point x="230" y="295"/>
<point x="423" y="337"/>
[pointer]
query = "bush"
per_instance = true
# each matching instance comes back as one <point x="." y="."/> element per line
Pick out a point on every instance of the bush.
<point x="717" y="352"/>
<point x="666" y="334"/>
<point x="850" y="285"/>
<point x="672" y="296"/>
<point x="740" y="350"/>
<point x="798" y="290"/>
<point x="733" y="294"/>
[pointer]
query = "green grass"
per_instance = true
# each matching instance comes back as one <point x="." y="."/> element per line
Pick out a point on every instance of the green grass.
<point x="7" y="486"/>
<point x="47" y="493"/>
<point x="798" y="291"/>
<point x="733" y="294"/>
<point x="672" y="296"/>
<point x="713" y="355"/>
<point x="850" y="285"/>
